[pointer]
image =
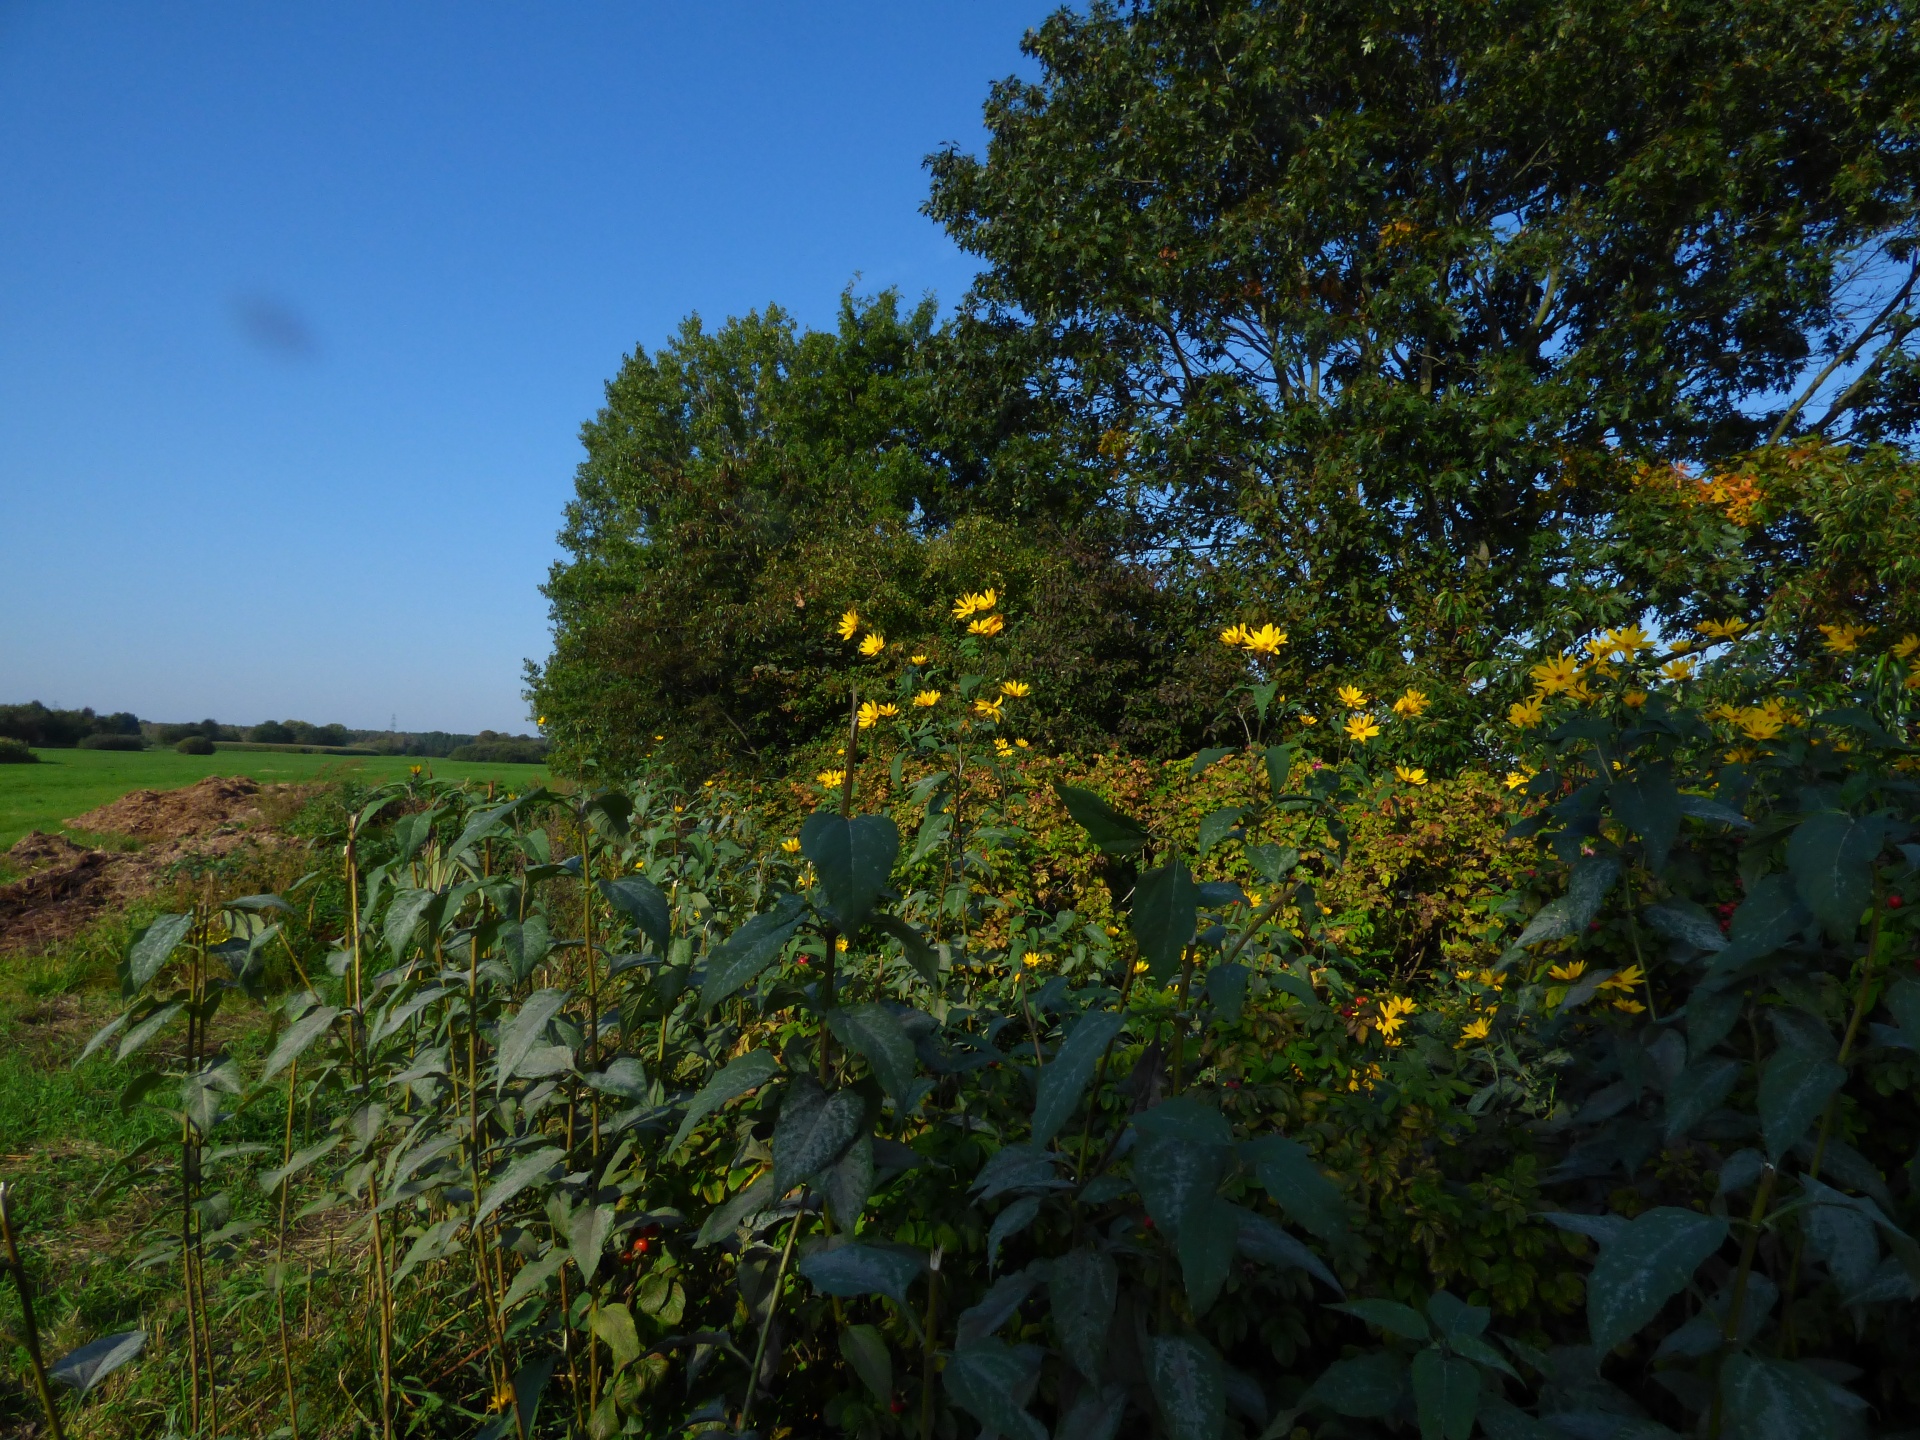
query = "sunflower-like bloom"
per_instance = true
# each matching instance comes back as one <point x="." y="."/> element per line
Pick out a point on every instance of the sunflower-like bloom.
<point x="1721" y="629"/>
<point x="987" y="625"/>
<point x="974" y="603"/>
<point x="1761" y="723"/>
<point x="1306" y="719"/>
<point x="1902" y="648"/>
<point x="1393" y="1015"/>
<point x="1267" y="640"/>
<point x="1361" y="727"/>
<point x="1411" y="704"/>
<point x="791" y="845"/>
<point x="1411" y="774"/>
<point x="872" y="713"/>
<point x="873" y="644"/>
<point x="1527" y="713"/>
<point x="925" y="699"/>
<point x="1475" y="1031"/>
<point x="1556" y="674"/>
<point x="1020" y="745"/>
<point x="832" y="779"/>
<point x="1634" y="699"/>
<point x="1625" y="979"/>
<point x="1517" y="778"/>
<point x="1018" y="689"/>
<point x="1628" y="641"/>
<point x="1631" y="1007"/>
<point x="849" y="624"/>
<point x="1352" y="696"/>
<point x="1844" y="639"/>
<point x="1234" y="635"/>
<point x="918" y="659"/>
<point x="987" y="709"/>
<point x="1681" y="669"/>
<point x="1002" y="746"/>
<point x="1569" y="972"/>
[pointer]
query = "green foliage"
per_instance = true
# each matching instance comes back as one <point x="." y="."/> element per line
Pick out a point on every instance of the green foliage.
<point x="16" y="752"/>
<point x="194" y="745"/>
<point x="112" y="742"/>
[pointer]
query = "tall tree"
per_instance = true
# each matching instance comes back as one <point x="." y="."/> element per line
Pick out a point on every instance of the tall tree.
<point x="1367" y="298"/>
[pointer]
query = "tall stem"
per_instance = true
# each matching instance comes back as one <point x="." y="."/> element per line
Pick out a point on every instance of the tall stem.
<point x="929" y="1356"/>
<point x="593" y="969"/>
<point x="280" y="1256"/>
<point x="1737" y="1302"/>
<point x="32" y="1336"/>
<point x="766" y="1325"/>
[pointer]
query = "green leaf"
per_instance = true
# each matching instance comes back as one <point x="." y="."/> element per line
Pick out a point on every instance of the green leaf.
<point x="1365" y="1387"/>
<point x="814" y="1128"/>
<point x="1177" y="1164"/>
<point x="644" y="904"/>
<point x="870" y="1030"/>
<point x="1700" y="807"/>
<point x="1208" y="1235"/>
<point x="999" y="1305"/>
<point x="296" y="1038"/>
<point x="985" y="1377"/>
<point x="1188" y="1385"/>
<point x="1649" y="1263"/>
<point x="1902" y="1002"/>
<point x="1794" y="1089"/>
<point x="741" y="1206"/>
<point x="1082" y="1286"/>
<point x="853" y="859"/>
<point x="1010" y="1222"/>
<point x="1647" y="803"/>
<point x="919" y="953"/>
<point x="1686" y="922"/>
<point x="1217" y="826"/>
<point x="1830" y="857"/>
<point x="1297" y="1185"/>
<point x="86" y="1367"/>
<point x="137" y="1038"/>
<point x="1263" y="1241"/>
<point x="1770" y="916"/>
<point x="1697" y="1093"/>
<point x="868" y="1357"/>
<point x="1113" y="832"/>
<point x="1390" y="1316"/>
<point x="848" y="1182"/>
<point x="744" y="1073"/>
<point x="515" y="1177"/>
<point x="1207" y="759"/>
<point x="405" y="915"/>
<point x="1096" y="1415"/>
<point x="1227" y="989"/>
<point x="1552" y="921"/>
<point x="523" y="1031"/>
<point x="152" y="946"/>
<point x="1065" y="1078"/>
<point x="614" y="1325"/>
<point x="533" y="1276"/>
<point x="587" y="1233"/>
<point x="1775" y="1400"/>
<point x="298" y="1161"/>
<point x="624" y="1076"/>
<point x="858" y="1268"/>
<point x="1446" y="1395"/>
<point x="750" y="949"/>
<point x="1166" y="903"/>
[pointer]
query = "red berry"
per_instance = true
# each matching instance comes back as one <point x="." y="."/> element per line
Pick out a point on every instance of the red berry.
<point x="1148" y="1222"/>
<point x="1894" y="902"/>
<point x="1593" y="924"/>
<point x="897" y="1405"/>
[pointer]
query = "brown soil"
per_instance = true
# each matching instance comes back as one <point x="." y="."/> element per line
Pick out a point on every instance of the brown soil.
<point x="67" y="886"/>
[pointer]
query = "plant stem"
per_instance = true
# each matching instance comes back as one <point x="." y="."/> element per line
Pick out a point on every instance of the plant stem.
<point x="1180" y="1021"/>
<point x="766" y="1325"/>
<point x="1738" y="1301"/>
<point x="280" y="1256"/>
<point x="26" y="1315"/>
<point x="929" y="1355"/>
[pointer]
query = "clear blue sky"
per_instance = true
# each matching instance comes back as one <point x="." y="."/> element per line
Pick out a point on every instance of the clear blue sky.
<point x="301" y="309"/>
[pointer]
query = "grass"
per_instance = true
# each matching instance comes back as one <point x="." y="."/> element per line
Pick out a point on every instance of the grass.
<point x="67" y="783"/>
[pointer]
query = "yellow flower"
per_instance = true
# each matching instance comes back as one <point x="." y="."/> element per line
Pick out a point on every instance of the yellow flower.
<point x="873" y="645"/>
<point x="1582" y="693"/>
<point x="841" y="944"/>
<point x="541" y="721"/>
<point x="1631" y="1007"/>
<point x="1626" y="642"/>
<point x="1362" y="728"/>
<point x="987" y="709"/>
<point x="1679" y="669"/>
<point x="1413" y="703"/>
<point x="974" y="603"/>
<point x="1002" y="746"/>
<point x="1020" y="744"/>
<point x="1623" y="980"/>
<point x="1634" y="699"/>
<point x="991" y="625"/>
<point x="1478" y="1030"/>
<point x="1033" y="959"/>
<point x="926" y="699"/>
<point x="1555" y="675"/>
<point x="1572" y="970"/>
<point x="1721" y="629"/>
<point x="1762" y="723"/>
<point x="1140" y="967"/>
<point x="849" y="625"/>
<point x="832" y="779"/>
<point x="1844" y="639"/>
<point x="1527" y="713"/>
<point x="1518" y="778"/>
<point x="1234" y="635"/>
<point x="1906" y="645"/>
<point x="1393" y="1015"/>
<point x="1306" y="719"/>
<point x="1016" y="688"/>
<point x="1411" y="774"/>
<point x="659" y="737"/>
<point x="919" y="659"/>
<point x="1267" y="640"/>
<point x="791" y="845"/>
<point x="1352" y="696"/>
<point x="872" y="713"/>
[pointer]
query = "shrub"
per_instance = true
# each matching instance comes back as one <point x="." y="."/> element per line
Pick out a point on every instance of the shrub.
<point x="113" y="742"/>
<point x="15" y="752"/>
<point x="195" y="745"/>
<point x="503" y="751"/>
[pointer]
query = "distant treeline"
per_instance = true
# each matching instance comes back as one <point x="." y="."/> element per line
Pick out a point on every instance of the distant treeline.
<point x="37" y="725"/>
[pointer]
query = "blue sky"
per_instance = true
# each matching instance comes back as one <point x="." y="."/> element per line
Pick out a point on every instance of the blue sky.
<point x="301" y="309"/>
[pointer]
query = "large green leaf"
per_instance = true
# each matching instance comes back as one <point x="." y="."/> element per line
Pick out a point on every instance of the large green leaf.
<point x="1181" y="1155"/>
<point x="1208" y="1236"/>
<point x="533" y="1276"/>
<point x="1113" y="832"/>
<point x="1390" y="1316"/>
<point x="137" y="1039"/>
<point x="848" y="1181"/>
<point x="1364" y="1387"/>
<point x="614" y="1325"/>
<point x="1770" y="916"/>
<point x="408" y="912"/>
<point x="1683" y="920"/>
<point x="1775" y="1400"/>
<point x="1794" y="1089"/>
<point x="296" y="1038"/>
<point x="853" y="859"/>
<point x="986" y="1378"/>
<point x="814" y="1128"/>
<point x="1830" y="857"/>
<point x="1903" y="1003"/>
<point x="644" y="904"/>
<point x="152" y="946"/>
<point x="1644" y="1266"/>
<point x="741" y="1074"/>
<point x="1262" y="1240"/>
<point x="1216" y="826"/>
<point x="1446" y="1395"/>
<point x="1082" y="1286"/>
<point x="738" y="1208"/>
<point x="1697" y="1093"/>
<point x="750" y="949"/>
<point x="870" y="1030"/>
<point x="1064" y="1079"/>
<point x="1165" y="905"/>
<point x="862" y="1347"/>
<point x="86" y="1367"/>
<point x="1587" y="886"/>
<point x="918" y="952"/>
<point x="858" y="1268"/>
<point x="1646" y="802"/>
<point x="1188" y="1385"/>
<point x="1298" y="1186"/>
<point x="516" y="1176"/>
<point x="523" y="1031"/>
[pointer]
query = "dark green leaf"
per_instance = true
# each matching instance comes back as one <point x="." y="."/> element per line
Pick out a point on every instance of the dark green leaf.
<point x="1365" y="1387"/>
<point x="853" y="859"/>
<point x="1830" y="857"/>
<point x="409" y="910"/>
<point x="1390" y="1316"/>
<point x="1188" y="1385"/>
<point x="1647" y="803"/>
<point x="1645" y="1266"/>
<point x="533" y="1276"/>
<point x="1165" y="905"/>
<point x="919" y="953"/>
<point x="1552" y="921"/>
<point x="625" y="1077"/>
<point x="296" y="1038"/>
<point x="1082" y="1286"/>
<point x="1279" y="762"/>
<point x="1775" y="1400"/>
<point x="999" y="1305"/>
<point x="814" y="1128"/>
<point x="1227" y="989"/>
<point x="1903" y="1003"/>
<point x="1700" y="1090"/>
<point x="751" y="949"/>
<point x="613" y="1324"/>
<point x="1096" y="1415"/>
<point x="870" y="1030"/>
<point x="1207" y="1237"/>
<point x="516" y="1176"/>
<point x="1699" y="807"/>
<point x="1794" y="1089"/>
<point x="136" y="1039"/>
<point x="1587" y="886"/>
<point x="866" y="1353"/>
<point x="1686" y="922"/>
<point x="1297" y="1185"/>
<point x="1008" y="1223"/>
<point x="86" y="1367"/>
<point x="848" y="1181"/>
<point x="1064" y="1079"/>
<point x="1446" y="1395"/>
<point x="984" y="1378"/>
<point x="524" y="1030"/>
<point x="1207" y="759"/>
<point x="736" y="1210"/>
<point x="1263" y="1241"/>
<point x="857" y="1268"/>
<point x="1217" y="825"/>
<point x="1106" y="827"/>
<point x="152" y="946"/>
<point x="644" y="904"/>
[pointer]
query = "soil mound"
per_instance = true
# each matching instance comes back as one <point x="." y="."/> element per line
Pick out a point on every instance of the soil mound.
<point x="36" y="850"/>
<point x="201" y="809"/>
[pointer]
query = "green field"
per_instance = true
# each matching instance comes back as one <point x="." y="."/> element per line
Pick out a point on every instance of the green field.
<point x="71" y="782"/>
